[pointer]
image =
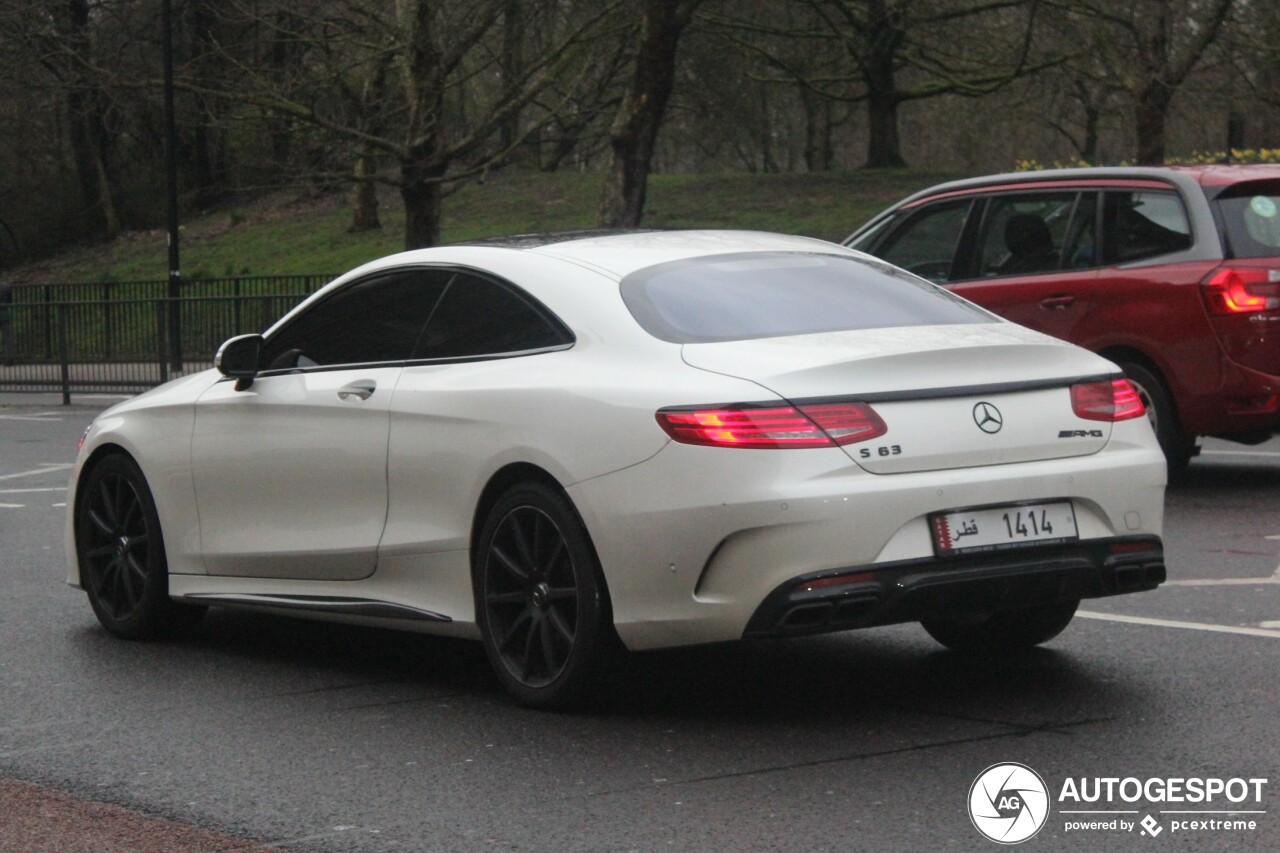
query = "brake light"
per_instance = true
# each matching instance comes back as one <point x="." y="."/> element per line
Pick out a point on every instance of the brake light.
<point x="1108" y="400"/>
<point x="747" y="426"/>
<point x="1242" y="291"/>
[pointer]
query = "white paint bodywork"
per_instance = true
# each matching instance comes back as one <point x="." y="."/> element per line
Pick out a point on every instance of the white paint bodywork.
<point x="285" y="490"/>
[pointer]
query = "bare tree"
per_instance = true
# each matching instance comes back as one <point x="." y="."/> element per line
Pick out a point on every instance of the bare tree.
<point x="898" y="51"/>
<point x="1160" y="43"/>
<point x="635" y="128"/>
<point x="455" y="111"/>
<point x="60" y="40"/>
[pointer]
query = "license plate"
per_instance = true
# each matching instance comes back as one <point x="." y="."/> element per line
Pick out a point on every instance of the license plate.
<point x="996" y="528"/>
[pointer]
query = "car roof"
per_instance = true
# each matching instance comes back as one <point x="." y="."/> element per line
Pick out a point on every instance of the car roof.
<point x="614" y="254"/>
<point x="538" y="239"/>
<point x="1224" y="174"/>
<point x="622" y="254"/>
<point x="1210" y="176"/>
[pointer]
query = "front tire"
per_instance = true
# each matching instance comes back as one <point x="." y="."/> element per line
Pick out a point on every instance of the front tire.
<point x="1003" y="632"/>
<point x="540" y="600"/>
<point x="120" y="550"/>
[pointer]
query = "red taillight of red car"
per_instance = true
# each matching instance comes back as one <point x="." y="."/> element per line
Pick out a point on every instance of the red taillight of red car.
<point x="760" y="427"/>
<point x="1108" y="400"/>
<point x="1241" y="290"/>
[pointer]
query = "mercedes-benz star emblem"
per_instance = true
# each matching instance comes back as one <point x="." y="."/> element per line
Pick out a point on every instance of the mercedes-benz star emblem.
<point x="988" y="418"/>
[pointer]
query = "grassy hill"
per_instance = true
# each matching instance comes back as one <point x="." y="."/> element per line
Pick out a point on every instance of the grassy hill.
<point x="285" y="234"/>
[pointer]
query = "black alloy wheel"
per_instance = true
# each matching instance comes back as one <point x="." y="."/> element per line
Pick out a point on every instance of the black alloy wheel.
<point x="121" y="553"/>
<point x="539" y="601"/>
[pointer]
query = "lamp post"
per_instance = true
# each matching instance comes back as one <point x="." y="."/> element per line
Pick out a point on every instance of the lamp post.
<point x="171" y="167"/>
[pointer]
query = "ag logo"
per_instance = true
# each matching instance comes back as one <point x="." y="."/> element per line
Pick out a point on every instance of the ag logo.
<point x="1008" y="803"/>
<point x="988" y="418"/>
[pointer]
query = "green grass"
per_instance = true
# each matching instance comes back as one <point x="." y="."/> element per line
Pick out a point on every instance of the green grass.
<point x="282" y="235"/>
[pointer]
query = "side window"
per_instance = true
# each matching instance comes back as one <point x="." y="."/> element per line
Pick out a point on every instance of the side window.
<point x="925" y="243"/>
<point x="1024" y="234"/>
<point x="478" y="316"/>
<point x="866" y="240"/>
<point x="373" y="320"/>
<point x="1143" y="224"/>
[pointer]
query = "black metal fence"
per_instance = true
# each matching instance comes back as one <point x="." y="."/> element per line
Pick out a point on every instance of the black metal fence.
<point x="113" y="336"/>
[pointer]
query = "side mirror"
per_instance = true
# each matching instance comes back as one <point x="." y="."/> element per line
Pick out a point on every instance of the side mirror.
<point x="239" y="358"/>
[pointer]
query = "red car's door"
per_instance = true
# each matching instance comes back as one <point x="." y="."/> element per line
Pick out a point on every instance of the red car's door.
<point x="1054" y="303"/>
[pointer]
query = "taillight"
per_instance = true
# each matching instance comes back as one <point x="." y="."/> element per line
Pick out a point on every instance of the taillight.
<point x="1242" y="290"/>
<point x="1108" y="400"/>
<point x="846" y="423"/>
<point x="747" y="426"/>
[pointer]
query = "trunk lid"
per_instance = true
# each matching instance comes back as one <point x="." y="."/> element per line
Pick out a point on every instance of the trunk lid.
<point x="952" y="396"/>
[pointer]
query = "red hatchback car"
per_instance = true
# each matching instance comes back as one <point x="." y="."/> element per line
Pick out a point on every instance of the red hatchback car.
<point x="1172" y="273"/>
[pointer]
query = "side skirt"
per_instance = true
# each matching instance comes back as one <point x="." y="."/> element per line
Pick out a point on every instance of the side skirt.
<point x="330" y="605"/>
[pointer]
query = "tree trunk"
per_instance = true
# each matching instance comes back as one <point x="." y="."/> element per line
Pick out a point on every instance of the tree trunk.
<point x="90" y="140"/>
<point x="282" y="58"/>
<point x="206" y="166"/>
<point x="1089" y="150"/>
<point x="512" y="66"/>
<point x="1150" y="111"/>
<point x="883" y="150"/>
<point x="364" y="195"/>
<point x="561" y="146"/>
<point x="423" y="196"/>
<point x="635" y="129"/>
<point x="818" y="150"/>
<point x="368" y="107"/>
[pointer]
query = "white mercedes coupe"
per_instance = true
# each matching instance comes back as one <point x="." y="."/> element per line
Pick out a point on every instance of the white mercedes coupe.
<point x="561" y="444"/>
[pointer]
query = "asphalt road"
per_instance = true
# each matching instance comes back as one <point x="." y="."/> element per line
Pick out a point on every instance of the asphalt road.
<point x="320" y="737"/>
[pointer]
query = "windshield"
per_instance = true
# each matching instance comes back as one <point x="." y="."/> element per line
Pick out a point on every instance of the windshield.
<point x="774" y="294"/>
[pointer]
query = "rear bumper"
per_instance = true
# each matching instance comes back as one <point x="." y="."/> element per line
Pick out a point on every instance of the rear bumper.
<point x="910" y="590"/>
<point x="1247" y="407"/>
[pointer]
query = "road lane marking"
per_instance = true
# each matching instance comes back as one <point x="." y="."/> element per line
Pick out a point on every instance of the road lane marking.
<point x="1274" y="624"/>
<point x="12" y="506"/>
<point x="1187" y="626"/>
<point x="1239" y="453"/>
<point x="41" y="418"/>
<point x="24" y="491"/>
<point x="50" y="468"/>
<point x="1225" y="582"/>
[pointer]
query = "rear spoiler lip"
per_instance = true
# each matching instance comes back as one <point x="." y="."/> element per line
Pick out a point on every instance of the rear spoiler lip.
<point x="983" y="390"/>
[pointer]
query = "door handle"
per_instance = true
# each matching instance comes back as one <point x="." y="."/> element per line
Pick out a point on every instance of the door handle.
<point x="361" y="389"/>
<point x="1057" y="303"/>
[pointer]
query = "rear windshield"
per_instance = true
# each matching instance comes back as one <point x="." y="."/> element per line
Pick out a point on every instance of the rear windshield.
<point x="1251" y="217"/>
<point x="773" y="294"/>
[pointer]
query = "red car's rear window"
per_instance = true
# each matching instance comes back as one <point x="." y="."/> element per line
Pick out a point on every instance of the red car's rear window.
<point x="1250" y="216"/>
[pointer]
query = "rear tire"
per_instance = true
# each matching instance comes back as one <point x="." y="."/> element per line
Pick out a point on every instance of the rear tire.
<point x="541" y="604"/>
<point x="120" y="550"/>
<point x="1003" y="632"/>
<point x="1178" y="448"/>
